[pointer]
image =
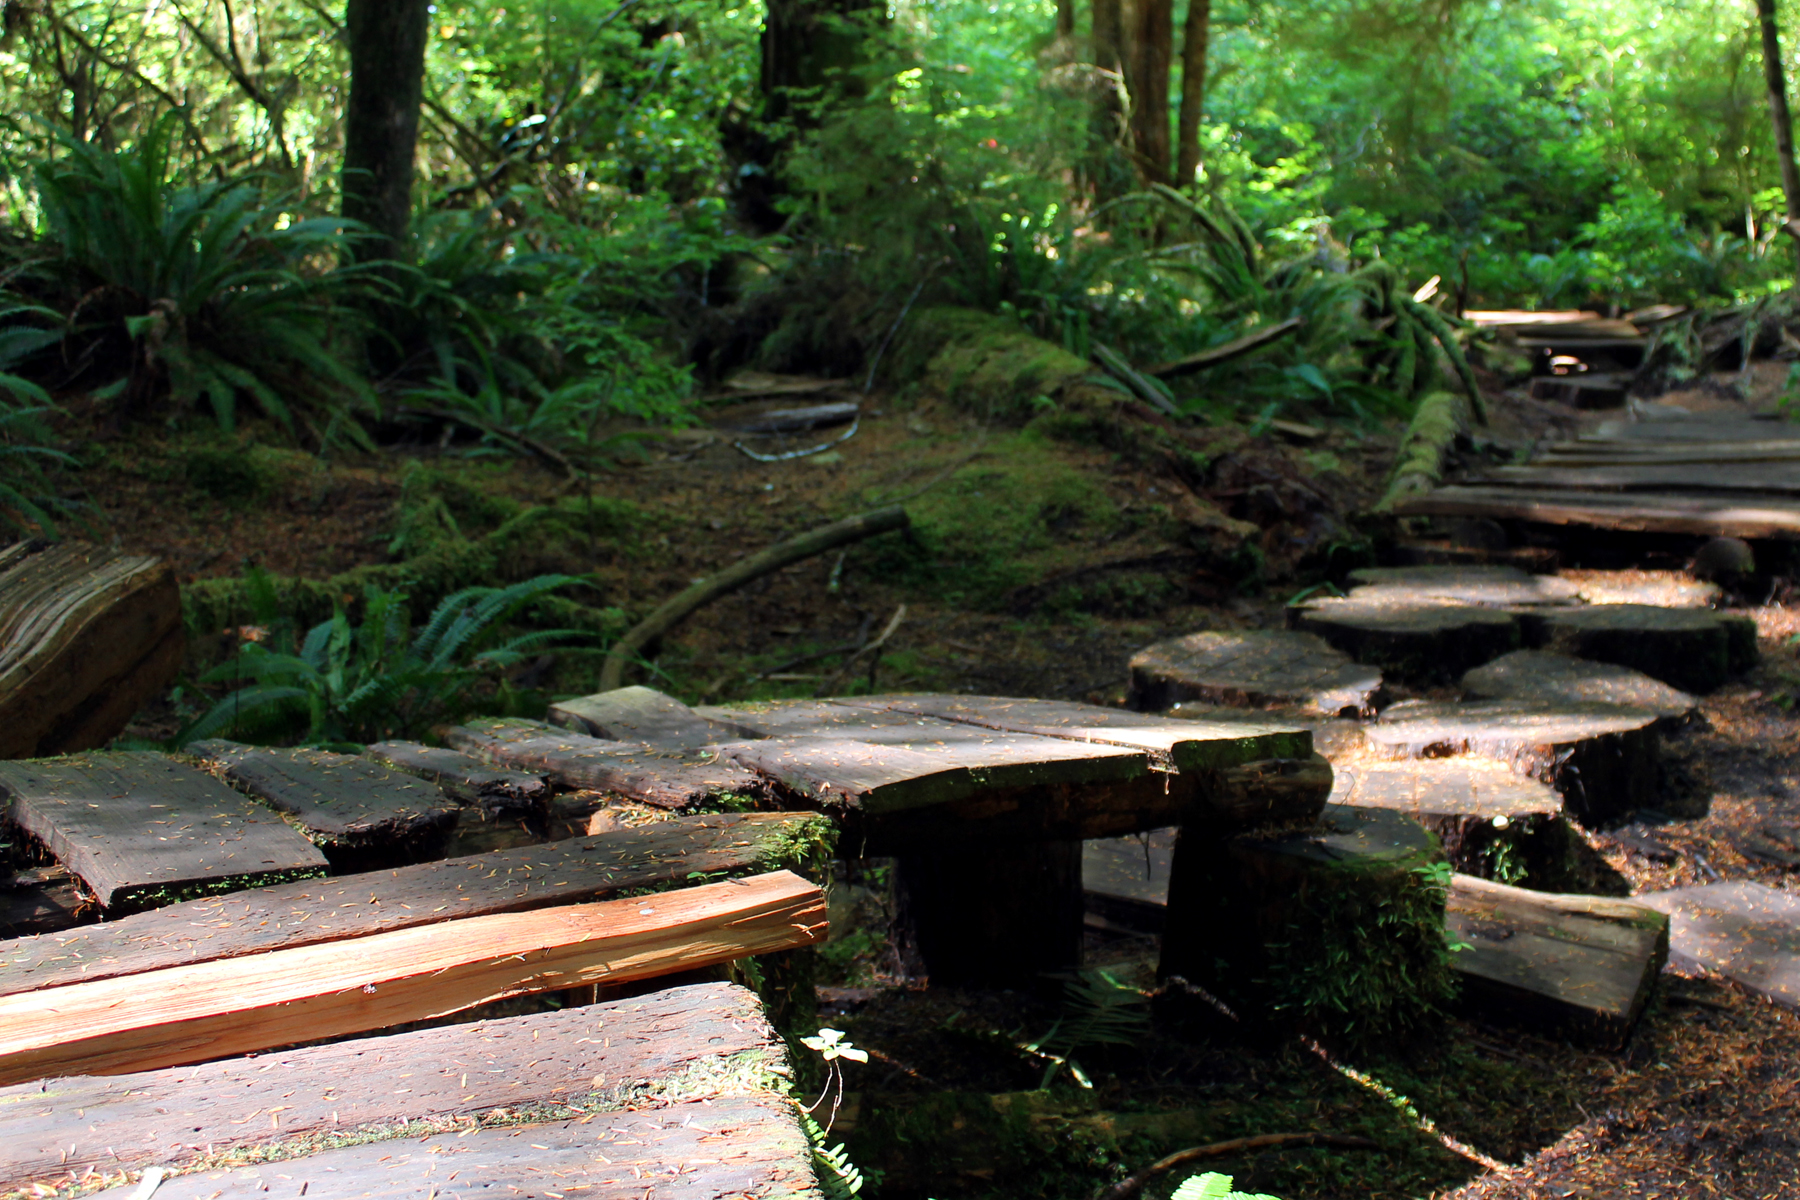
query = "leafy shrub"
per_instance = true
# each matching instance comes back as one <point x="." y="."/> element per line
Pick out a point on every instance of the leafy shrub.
<point x="28" y="503"/>
<point x="379" y="679"/>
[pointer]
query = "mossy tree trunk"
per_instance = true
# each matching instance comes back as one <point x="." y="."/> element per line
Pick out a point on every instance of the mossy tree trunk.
<point x="1150" y="44"/>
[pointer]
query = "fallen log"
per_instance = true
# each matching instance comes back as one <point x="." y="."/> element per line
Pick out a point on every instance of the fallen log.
<point x="1212" y="356"/>
<point x="209" y="1010"/>
<point x="781" y="554"/>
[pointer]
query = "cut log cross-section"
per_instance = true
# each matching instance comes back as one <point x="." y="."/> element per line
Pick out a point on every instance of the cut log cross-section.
<point x="1561" y="679"/>
<point x="238" y="1005"/>
<point x="1410" y="638"/>
<point x="710" y="1128"/>
<point x="1695" y="650"/>
<point x="1252" y="670"/>
<point x="87" y="637"/>
<point x="1748" y="932"/>
<point x="141" y="829"/>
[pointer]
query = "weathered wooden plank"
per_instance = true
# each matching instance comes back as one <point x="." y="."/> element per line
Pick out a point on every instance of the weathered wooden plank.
<point x="1253" y="669"/>
<point x="464" y="776"/>
<point x="1580" y="966"/>
<point x="667" y="779"/>
<point x="142" y="830"/>
<point x="339" y="799"/>
<point x="87" y="637"/>
<point x="1562" y="678"/>
<point x="1748" y="932"/>
<point x="1746" y="515"/>
<point x="1781" y="478"/>
<point x="573" y="871"/>
<point x="1480" y="586"/>
<point x="42" y="900"/>
<point x="637" y="714"/>
<point x="1419" y="640"/>
<point x="701" y="1150"/>
<point x="1603" y="760"/>
<point x="238" y="1005"/>
<point x="1700" y="429"/>
<point x="1185" y="745"/>
<point x="1693" y="649"/>
<point x="1620" y="454"/>
<point x="596" y="1057"/>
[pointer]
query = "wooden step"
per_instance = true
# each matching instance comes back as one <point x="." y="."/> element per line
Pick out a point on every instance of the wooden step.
<point x="1253" y="669"/>
<point x="1747" y="932"/>
<point x="574" y="871"/>
<point x="1773" y="478"/>
<point x="1561" y="678"/>
<point x="1695" y="650"/>
<point x="465" y="777"/>
<point x="1735" y="514"/>
<point x="341" y="801"/>
<point x="1480" y="586"/>
<point x="1664" y="589"/>
<point x="676" y="1075"/>
<point x="672" y="779"/>
<point x="1602" y="760"/>
<point x="637" y="714"/>
<point x="239" y="1005"/>
<point x="142" y="830"/>
<point x="1561" y="965"/>
<point x="1415" y="640"/>
<point x="87" y="637"/>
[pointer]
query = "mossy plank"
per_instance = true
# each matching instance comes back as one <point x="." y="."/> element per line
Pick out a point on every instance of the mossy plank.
<point x="696" y="1039"/>
<point x="573" y="871"/>
<point x="1253" y="669"/>
<point x="1562" y="678"/>
<point x="1419" y="640"/>
<point x="465" y="776"/>
<point x="1562" y="965"/>
<point x="669" y="779"/>
<point x="339" y="799"/>
<point x="636" y="714"/>
<point x="141" y="829"/>
<point x="1695" y="650"/>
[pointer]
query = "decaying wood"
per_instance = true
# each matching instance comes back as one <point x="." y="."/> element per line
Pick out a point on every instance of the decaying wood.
<point x="141" y="829"/>
<point x="1253" y="669"/>
<point x="87" y="637"/>
<point x="571" y="871"/>
<point x="338" y="799"/>
<point x="1226" y="351"/>
<point x="235" y="1006"/>
<point x="1274" y="792"/>
<point x="667" y="779"/>
<point x="1145" y="388"/>
<point x="1580" y="966"/>
<point x="599" y="1055"/>
<point x="797" y="420"/>
<point x="464" y="776"/>
<point x="637" y="714"/>
<point x="781" y="554"/>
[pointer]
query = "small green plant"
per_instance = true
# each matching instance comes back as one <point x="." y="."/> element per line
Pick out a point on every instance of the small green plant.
<point x="838" y="1176"/>
<point x="1213" y="1186"/>
<point x="1097" y="1010"/>
<point x="357" y="683"/>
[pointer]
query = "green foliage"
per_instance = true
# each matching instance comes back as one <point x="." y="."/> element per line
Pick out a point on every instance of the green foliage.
<point x="1097" y="1010"/>
<point x="377" y="679"/>
<point x="838" y="1177"/>
<point x="1213" y="1186"/>
<point x="28" y="503"/>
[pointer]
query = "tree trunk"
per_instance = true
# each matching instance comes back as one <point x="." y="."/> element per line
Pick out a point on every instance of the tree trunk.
<point x="381" y="122"/>
<point x="1193" y="90"/>
<point x="1778" y="112"/>
<point x="1065" y="18"/>
<point x="1150" y="45"/>
<point x="807" y="44"/>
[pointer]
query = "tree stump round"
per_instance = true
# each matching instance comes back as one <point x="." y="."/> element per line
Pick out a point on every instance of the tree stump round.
<point x="1415" y="640"/>
<point x="1693" y="649"/>
<point x="1253" y="669"/>
<point x="1558" y="678"/>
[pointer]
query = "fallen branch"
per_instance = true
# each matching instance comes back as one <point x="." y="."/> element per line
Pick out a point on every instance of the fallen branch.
<point x="1150" y="391"/>
<point x="1226" y="351"/>
<point x="844" y="668"/>
<point x="781" y="554"/>
<point x="791" y="454"/>
<point x="1131" y="1185"/>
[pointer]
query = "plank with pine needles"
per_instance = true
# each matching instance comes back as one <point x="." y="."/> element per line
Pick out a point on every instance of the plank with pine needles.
<point x="239" y="1005"/>
<point x="339" y="799"/>
<point x="670" y="779"/>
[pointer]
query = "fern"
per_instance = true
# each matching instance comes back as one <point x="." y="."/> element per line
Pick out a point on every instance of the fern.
<point x="1097" y="1010"/>
<point x="1213" y="1186"/>
<point x="838" y="1177"/>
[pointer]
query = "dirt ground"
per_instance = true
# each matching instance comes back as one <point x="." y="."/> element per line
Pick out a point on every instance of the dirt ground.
<point x="1704" y="1102"/>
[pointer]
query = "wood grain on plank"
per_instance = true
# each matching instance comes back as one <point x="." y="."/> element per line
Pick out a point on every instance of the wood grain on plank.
<point x="666" y="779"/>
<point x="140" y="829"/>
<point x="1781" y="478"/>
<point x="572" y="871"/>
<point x="235" y="1006"/>
<point x="636" y="714"/>
<point x="334" y="797"/>
<point x="465" y="776"/>
<point x="1748" y="515"/>
<point x="602" y="1055"/>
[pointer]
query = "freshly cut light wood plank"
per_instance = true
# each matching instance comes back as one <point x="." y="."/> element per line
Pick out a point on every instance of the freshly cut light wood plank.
<point x="1578" y="965"/>
<point x="572" y="871"/>
<point x="142" y="829"/>
<point x="339" y="799"/>
<point x="1481" y="586"/>
<point x="87" y="636"/>
<point x="636" y="714"/>
<point x="667" y="779"/>
<point x="1749" y="515"/>
<point x="464" y="776"/>
<point x="235" y="1006"/>
<point x="740" y="1146"/>
<point x="687" y="1040"/>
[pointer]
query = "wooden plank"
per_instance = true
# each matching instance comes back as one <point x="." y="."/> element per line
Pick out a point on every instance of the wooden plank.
<point x="1698" y="428"/>
<point x="1773" y="478"/>
<point x="1747" y="932"/>
<point x="339" y="799"/>
<point x="1665" y="454"/>
<point x="573" y="871"/>
<point x="1746" y="515"/>
<point x="1603" y="760"/>
<point x="1253" y="669"/>
<point x="1420" y="640"/>
<point x="637" y="714"/>
<point x="700" y="1150"/>
<point x="464" y="776"/>
<point x="1693" y="649"/>
<point x="667" y="779"/>
<point x="239" y="1005"/>
<point x="1454" y="787"/>
<point x="559" y="1062"/>
<point x="1563" y="965"/>
<point x="1558" y="678"/>
<point x="141" y="830"/>
<point x="87" y="637"/>
<point x="42" y="900"/>
<point x="1184" y="745"/>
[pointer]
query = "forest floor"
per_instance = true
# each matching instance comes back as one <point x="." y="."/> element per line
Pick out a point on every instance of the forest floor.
<point x="1037" y="565"/>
